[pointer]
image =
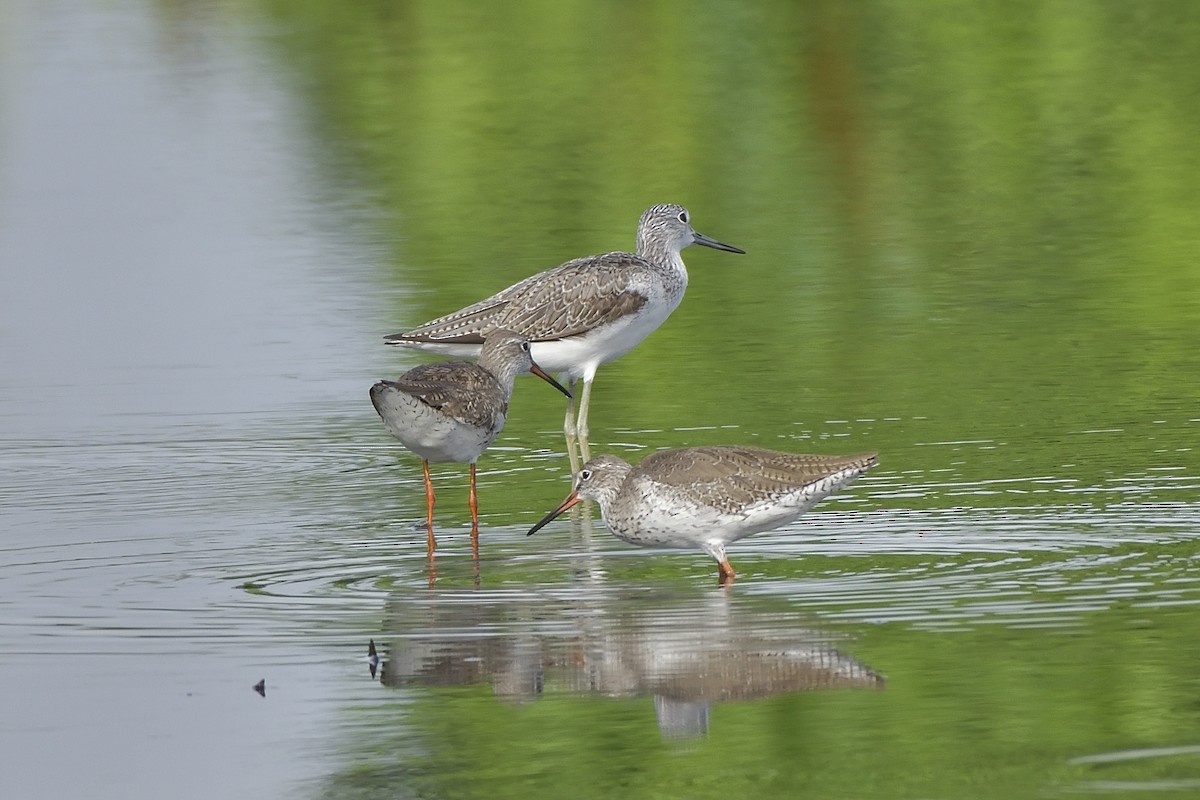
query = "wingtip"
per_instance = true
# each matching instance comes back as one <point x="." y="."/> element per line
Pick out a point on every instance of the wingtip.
<point x="424" y="340"/>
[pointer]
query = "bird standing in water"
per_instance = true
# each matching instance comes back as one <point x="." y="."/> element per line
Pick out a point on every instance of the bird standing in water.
<point x="707" y="497"/>
<point x="453" y="410"/>
<point x="580" y="314"/>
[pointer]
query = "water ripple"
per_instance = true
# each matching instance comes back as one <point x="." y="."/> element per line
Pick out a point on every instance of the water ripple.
<point x="193" y="530"/>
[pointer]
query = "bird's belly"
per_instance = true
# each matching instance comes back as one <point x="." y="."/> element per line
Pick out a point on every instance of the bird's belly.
<point x="664" y="524"/>
<point x="434" y="436"/>
<point x="578" y="356"/>
<point x="675" y="522"/>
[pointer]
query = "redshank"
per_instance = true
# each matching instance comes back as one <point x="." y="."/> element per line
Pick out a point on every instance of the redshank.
<point x="707" y="497"/>
<point x="452" y="410"/>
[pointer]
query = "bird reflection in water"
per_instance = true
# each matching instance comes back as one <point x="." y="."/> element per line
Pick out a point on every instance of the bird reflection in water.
<point x="686" y="653"/>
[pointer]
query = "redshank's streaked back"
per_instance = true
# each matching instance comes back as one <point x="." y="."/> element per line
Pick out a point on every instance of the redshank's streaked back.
<point x="583" y="313"/>
<point x="707" y="497"/>
<point x="452" y="410"/>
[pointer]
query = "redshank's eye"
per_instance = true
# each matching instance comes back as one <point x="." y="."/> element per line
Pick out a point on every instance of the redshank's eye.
<point x="585" y="475"/>
<point x="525" y="346"/>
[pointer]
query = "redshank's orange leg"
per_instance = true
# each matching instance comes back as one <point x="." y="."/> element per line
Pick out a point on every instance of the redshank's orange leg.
<point x="725" y="572"/>
<point x="473" y="502"/>
<point x="428" y="506"/>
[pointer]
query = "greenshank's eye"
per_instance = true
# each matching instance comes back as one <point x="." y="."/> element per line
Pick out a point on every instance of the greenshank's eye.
<point x="683" y="217"/>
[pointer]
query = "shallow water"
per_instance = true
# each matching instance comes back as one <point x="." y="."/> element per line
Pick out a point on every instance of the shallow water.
<point x="976" y="259"/>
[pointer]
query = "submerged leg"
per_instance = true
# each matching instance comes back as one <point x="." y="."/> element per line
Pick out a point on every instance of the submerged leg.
<point x="428" y="505"/>
<point x="725" y="573"/>
<point x="582" y="426"/>
<point x="569" y="430"/>
<point x="473" y="502"/>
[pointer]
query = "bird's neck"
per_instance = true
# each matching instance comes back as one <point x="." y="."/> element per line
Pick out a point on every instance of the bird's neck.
<point x="665" y="257"/>
<point x="505" y="375"/>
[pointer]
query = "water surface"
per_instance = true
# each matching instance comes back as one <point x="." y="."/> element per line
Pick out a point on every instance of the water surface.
<point x="971" y="246"/>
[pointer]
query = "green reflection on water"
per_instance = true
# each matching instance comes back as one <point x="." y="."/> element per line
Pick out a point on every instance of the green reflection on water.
<point x="974" y="214"/>
<point x="977" y="221"/>
<point x="982" y="712"/>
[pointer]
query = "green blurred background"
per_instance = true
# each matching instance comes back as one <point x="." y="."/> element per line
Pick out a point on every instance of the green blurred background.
<point x="966" y="222"/>
<point x="980" y="213"/>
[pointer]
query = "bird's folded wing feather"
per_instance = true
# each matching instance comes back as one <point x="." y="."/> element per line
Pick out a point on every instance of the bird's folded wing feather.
<point x="567" y="300"/>
<point x="731" y="478"/>
<point x="456" y="388"/>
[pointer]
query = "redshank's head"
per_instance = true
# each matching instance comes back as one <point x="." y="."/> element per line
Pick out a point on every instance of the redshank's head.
<point x="598" y="479"/>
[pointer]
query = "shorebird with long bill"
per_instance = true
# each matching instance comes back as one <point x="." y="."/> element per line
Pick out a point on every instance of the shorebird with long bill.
<point x="582" y="313"/>
<point x="707" y="497"/>
<point x="453" y="410"/>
